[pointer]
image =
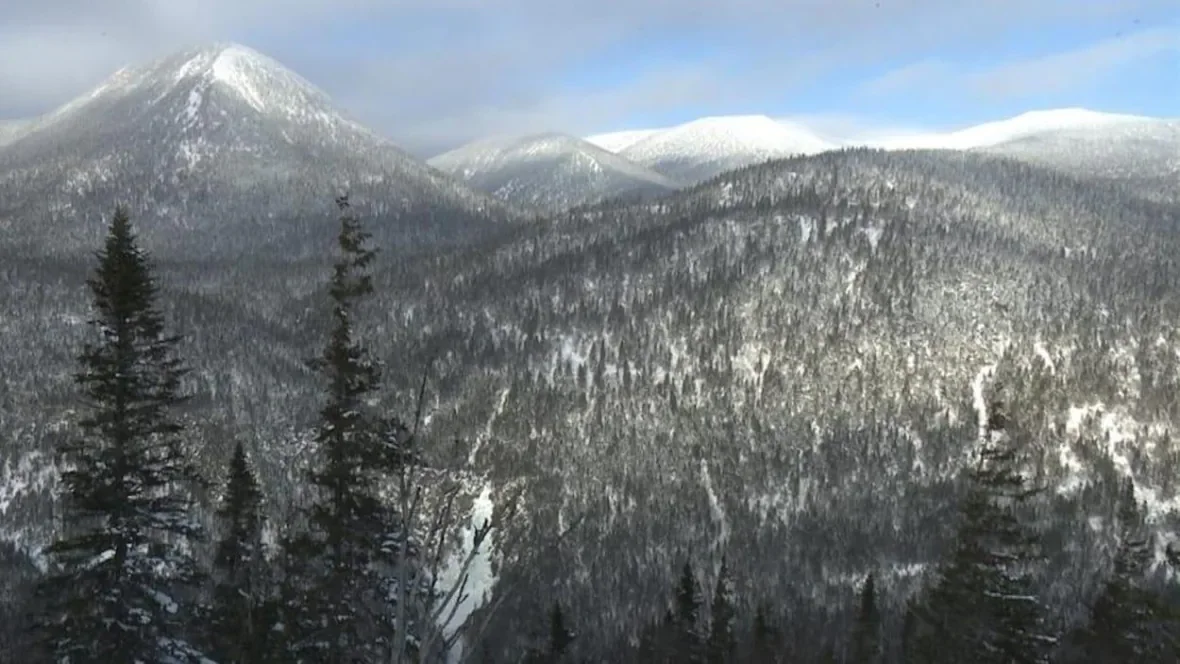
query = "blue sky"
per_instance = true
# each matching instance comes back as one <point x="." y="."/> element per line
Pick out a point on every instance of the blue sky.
<point x="435" y="73"/>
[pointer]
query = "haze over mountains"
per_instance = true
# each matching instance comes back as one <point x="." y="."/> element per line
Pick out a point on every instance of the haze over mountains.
<point x="780" y="356"/>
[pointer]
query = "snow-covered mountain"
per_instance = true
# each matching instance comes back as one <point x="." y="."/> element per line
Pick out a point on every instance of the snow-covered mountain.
<point x="1143" y="151"/>
<point x="1025" y="125"/>
<point x="210" y="137"/>
<point x="549" y="171"/>
<point x="703" y="148"/>
<point x="617" y="141"/>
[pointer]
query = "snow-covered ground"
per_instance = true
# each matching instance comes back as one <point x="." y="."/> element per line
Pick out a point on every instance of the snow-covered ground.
<point x="481" y="578"/>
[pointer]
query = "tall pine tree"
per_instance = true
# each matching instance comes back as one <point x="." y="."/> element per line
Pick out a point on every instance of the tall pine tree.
<point x="560" y="635"/>
<point x="765" y="639"/>
<point x="984" y="608"/>
<point x="722" y="614"/>
<point x="688" y="642"/>
<point x="1127" y="617"/>
<point x="118" y="572"/>
<point x="866" y="636"/>
<point x="559" y="639"/>
<point x="237" y="623"/>
<point x="346" y="615"/>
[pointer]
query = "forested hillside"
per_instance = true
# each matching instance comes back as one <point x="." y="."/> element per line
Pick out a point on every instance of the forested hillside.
<point x="789" y="372"/>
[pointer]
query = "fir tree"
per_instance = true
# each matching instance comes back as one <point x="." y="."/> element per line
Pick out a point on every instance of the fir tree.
<point x="121" y="564"/>
<point x="688" y="640"/>
<point x="721" y="639"/>
<point x="1125" y="616"/>
<point x="236" y="623"/>
<point x="559" y="640"/>
<point x="347" y="614"/>
<point x="765" y="640"/>
<point x="866" y="636"/>
<point x="984" y="609"/>
<point x="560" y="635"/>
<point x="658" y="640"/>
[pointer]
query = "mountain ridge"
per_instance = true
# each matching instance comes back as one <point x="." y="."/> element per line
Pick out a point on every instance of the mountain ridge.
<point x="549" y="171"/>
<point x="699" y="149"/>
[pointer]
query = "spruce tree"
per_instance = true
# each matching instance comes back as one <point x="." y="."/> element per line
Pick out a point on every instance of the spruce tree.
<point x="984" y="608"/>
<point x="1125" y="617"/>
<point x="560" y="635"/>
<point x="688" y="642"/>
<point x="765" y="641"/>
<point x="237" y="627"/>
<point x="721" y="639"/>
<point x="558" y="643"/>
<point x="866" y="636"/>
<point x="347" y="615"/>
<point x="121" y="566"/>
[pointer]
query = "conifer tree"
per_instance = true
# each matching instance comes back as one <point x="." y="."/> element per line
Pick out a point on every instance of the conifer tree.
<point x="721" y="639"/>
<point x="764" y="639"/>
<point x="688" y="642"/>
<point x="347" y="615"/>
<point x="866" y="636"/>
<point x="658" y="640"/>
<point x="559" y="640"/>
<point x="560" y="635"/>
<point x="983" y="608"/>
<point x="121" y="564"/>
<point x="1125" y="617"/>
<point x="237" y="627"/>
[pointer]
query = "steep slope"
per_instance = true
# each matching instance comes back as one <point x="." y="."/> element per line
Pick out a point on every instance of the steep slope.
<point x="700" y="149"/>
<point x="617" y="141"/>
<point x="549" y="171"/>
<point x="215" y="142"/>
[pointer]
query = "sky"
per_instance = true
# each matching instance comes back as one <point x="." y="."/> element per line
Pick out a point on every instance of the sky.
<point x="432" y="74"/>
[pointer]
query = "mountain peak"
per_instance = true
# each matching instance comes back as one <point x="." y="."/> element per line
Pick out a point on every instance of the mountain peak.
<point x="702" y="148"/>
<point x="256" y="80"/>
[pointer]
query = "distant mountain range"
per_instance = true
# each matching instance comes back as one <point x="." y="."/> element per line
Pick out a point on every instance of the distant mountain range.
<point x="1141" y="150"/>
<point x="550" y="171"/>
<point x="266" y="146"/>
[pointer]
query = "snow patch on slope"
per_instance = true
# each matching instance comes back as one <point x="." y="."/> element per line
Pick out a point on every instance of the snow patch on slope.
<point x="236" y="67"/>
<point x="715" y="507"/>
<point x="481" y="576"/>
